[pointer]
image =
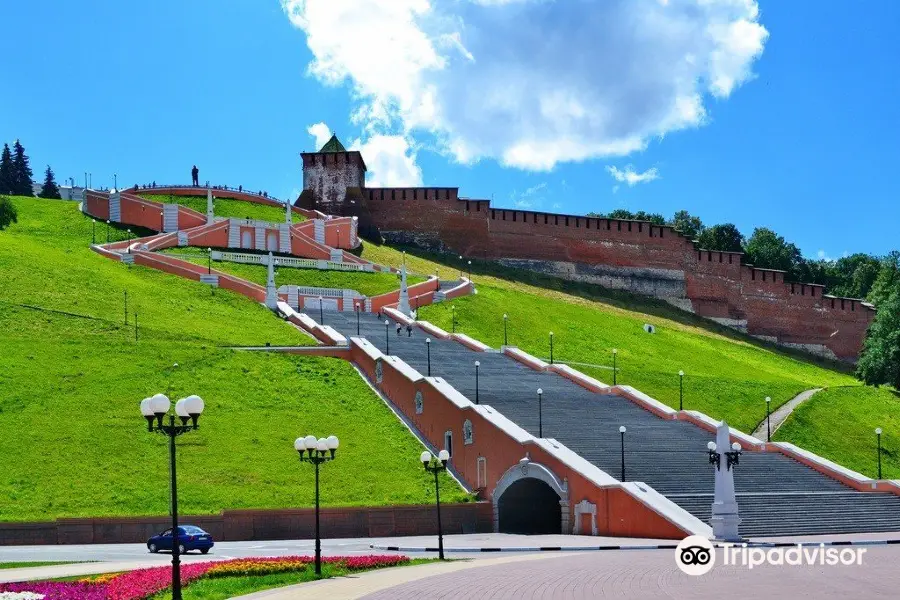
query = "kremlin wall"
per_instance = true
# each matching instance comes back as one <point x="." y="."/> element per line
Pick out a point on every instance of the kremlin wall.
<point x="636" y="256"/>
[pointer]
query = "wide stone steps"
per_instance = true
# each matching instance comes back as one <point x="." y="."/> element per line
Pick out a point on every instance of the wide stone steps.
<point x="776" y="495"/>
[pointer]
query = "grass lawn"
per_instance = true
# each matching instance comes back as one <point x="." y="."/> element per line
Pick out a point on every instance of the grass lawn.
<point x="368" y="284"/>
<point x="839" y="424"/>
<point x="72" y="443"/>
<point x="38" y="563"/>
<point x="227" y="207"/>
<point x="727" y="376"/>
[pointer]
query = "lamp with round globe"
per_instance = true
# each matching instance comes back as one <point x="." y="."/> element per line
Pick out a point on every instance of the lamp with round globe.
<point x="435" y="466"/>
<point x="317" y="451"/>
<point x="188" y="410"/>
<point x="878" y="436"/>
<point x="622" y="431"/>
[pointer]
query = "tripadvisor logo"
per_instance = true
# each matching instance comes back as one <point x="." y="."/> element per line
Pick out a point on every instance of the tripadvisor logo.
<point x="694" y="555"/>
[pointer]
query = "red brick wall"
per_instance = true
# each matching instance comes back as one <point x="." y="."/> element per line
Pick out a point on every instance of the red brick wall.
<point x="245" y="525"/>
<point x="716" y="283"/>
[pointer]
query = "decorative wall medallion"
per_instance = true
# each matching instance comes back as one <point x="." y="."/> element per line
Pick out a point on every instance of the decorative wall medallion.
<point x="467" y="432"/>
<point x="420" y="403"/>
<point x="379" y="372"/>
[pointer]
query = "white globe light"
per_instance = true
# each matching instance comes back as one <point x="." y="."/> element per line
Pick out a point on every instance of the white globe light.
<point x="311" y="442"/>
<point x="736" y="447"/>
<point x="426" y="457"/>
<point x="160" y="404"/>
<point x="477" y="363"/>
<point x="622" y="429"/>
<point x="332" y="442"/>
<point x="540" y="391"/>
<point x="321" y="445"/>
<point x="681" y="373"/>
<point x="300" y="444"/>
<point x="386" y="322"/>
<point x="181" y="408"/>
<point x="615" y="351"/>
<point x="443" y="456"/>
<point x="768" y="399"/>
<point x="146" y="410"/>
<point x="194" y="405"/>
<point x="878" y="430"/>
<point x="427" y="340"/>
<point x="711" y="446"/>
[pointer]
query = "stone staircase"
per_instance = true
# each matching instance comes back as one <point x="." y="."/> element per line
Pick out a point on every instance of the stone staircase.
<point x="776" y="494"/>
<point x="170" y="217"/>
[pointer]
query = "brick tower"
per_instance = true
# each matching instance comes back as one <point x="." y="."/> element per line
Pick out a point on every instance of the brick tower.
<point x="328" y="174"/>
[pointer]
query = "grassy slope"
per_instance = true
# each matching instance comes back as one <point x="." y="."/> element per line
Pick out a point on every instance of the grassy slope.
<point x="227" y="207"/>
<point x="369" y="284"/>
<point x="727" y="377"/>
<point x="840" y="424"/>
<point x="71" y="440"/>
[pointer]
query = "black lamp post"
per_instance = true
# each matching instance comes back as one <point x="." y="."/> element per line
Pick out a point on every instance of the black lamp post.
<point x="615" y="371"/>
<point x="477" y="364"/>
<point x="321" y="312"/>
<point x="732" y="458"/>
<point x="768" y="420"/>
<point x="460" y="266"/>
<point x="188" y="410"/>
<point x="435" y="466"/>
<point x="107" y="231"/>
<point x="318" y="451"/>
<point x="128" y="239"/>
<point x="115" y="181"/>
<point x="453" y="316"/>
<point x="551" y="347"/>
<point x="680" y="390"/>
<point x="356" y="308"/>
<point x="878" y="436"/>
<point x="428" y="349"/>
<point x="540" y="413"/>
<point x="387" y="337"/>
<point x="622" y="431"/>
<point x="505" y="338"/>
<point x="470" y="270"/>
<point x="93" y="231"/>
<point x="209" y="261"/>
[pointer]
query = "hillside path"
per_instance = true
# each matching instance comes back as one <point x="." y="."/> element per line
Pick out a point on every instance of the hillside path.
<point x="782" y="413"/>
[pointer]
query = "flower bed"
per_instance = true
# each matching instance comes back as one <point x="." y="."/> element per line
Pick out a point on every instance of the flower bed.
<point x="144" y="583"/>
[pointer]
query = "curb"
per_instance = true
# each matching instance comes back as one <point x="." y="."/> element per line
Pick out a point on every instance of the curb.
<point x="634" y="547"/>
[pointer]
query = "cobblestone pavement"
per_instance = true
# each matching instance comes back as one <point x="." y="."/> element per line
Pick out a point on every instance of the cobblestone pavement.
<point x="653" y="574"/>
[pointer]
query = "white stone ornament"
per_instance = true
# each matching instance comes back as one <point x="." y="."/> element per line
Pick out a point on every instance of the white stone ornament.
<point x="420" y="403"/>
<point x="467" y="432"/>
<point x="379" y="372"/>
<point x="725" y="519"/>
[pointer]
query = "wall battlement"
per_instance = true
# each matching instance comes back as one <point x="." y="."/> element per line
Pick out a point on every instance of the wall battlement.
<point x="636" y="256"/>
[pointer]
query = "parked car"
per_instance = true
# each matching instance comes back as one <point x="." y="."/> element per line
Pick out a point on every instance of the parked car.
<point x="190" y="538"/>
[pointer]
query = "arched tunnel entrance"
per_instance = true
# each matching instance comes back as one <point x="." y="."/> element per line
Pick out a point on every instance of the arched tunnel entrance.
<point x="529" y="506"/>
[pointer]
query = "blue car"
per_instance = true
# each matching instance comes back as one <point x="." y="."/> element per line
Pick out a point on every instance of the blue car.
<point x="189" y="538"/>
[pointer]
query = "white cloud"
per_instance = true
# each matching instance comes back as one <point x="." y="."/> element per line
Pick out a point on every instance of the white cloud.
<point x="321" y="132"/>
<point x="531" y="198"/>
<point x="391" y="161"/>
<point x="532" y="83"/>
<point x="631" y="177"/>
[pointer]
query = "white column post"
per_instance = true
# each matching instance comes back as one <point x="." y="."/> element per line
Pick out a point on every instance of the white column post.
<point x="403" y="305"/>
<point x="210" y="217"/>
<point x="271" y="291"/>
<point x="725" y="519"/>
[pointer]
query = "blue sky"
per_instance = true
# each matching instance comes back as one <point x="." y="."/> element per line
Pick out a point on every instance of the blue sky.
<point x="786" y="118"/>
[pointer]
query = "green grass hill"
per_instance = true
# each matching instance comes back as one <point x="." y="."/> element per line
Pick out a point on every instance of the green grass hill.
<point x="72" y="442"/>
<point x="227" y="207"/>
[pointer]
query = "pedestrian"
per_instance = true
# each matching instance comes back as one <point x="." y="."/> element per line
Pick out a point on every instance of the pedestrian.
<point x="399" y="329"/>
<point x="408" y="330"/>
<point x="195" y="176"/>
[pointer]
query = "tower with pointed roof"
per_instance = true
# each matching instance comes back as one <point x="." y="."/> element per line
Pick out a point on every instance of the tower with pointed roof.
<point x="328" y="175"/>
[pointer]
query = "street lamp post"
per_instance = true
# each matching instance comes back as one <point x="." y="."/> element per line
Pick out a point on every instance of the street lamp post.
<point x="622" y="431"/>
<point x="107" y="231"/>
<point x="615" y="371"/>
<point x="477" y="364"/>
<point x="356" y="308"/>
<point x="321" y="312"/>
<point x="470" y="270"/>
<point x="428" y="349"/>
<point x="188" y="411"/>
<point x="318" y="451"/>
<point x="209" y="261"/>
<point x="551" y="347"/>
<point x="115" y="181"/>
<point x="878" y="436"/>
<point x="505" y="338"/>
<point x="460" y="266"/>
<point x="128" y="239"/>
<point x="540" y="413"/>
<point x="436" y="466"/>
<point x="387" y="337"/>
<point x="453" y="316"/>
<point x="680" y="390"/>
<point x="93" y="231"/>
<point x="768" y="420"/>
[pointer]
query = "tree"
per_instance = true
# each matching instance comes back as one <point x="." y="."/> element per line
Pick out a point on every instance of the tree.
<point x="723" y="238"/>
<point x="689" y="226"/>
<point x="8" y="213"/>
<point x="879" y="362"/>
<point x="768" y="250"/>
<point x="50" y="189"/>
<point x="22" y="183"/>
<point x="6" y="171"/>
<point x="855" y="275"/>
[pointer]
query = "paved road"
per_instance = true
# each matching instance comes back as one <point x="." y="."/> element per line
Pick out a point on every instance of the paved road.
<point x="778" y="417"/>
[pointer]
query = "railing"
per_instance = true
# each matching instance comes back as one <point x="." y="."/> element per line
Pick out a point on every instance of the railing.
<point x="203" y="188"/>
<point x="299" y="263"/>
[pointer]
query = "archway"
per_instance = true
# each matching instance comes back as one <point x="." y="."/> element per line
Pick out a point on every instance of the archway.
<point x="246" y="239"/>
<point x="271" y="242"/>
<point x="530" y="498"/>
<point x="529" y="506"/>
